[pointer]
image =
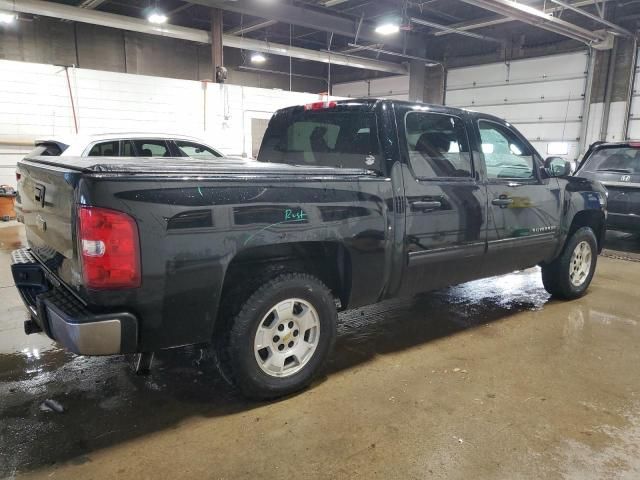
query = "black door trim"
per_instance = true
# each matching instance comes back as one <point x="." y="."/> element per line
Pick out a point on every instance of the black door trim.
<point x="522" y="242"/>
<point x="443" y="254"/>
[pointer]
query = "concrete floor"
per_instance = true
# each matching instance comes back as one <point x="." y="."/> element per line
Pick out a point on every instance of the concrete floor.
<point x="487" y="380"/>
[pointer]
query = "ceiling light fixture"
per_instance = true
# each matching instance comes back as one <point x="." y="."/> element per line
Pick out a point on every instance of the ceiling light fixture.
<point x="157" y="17"/>
<point x="388" y="28"/>
<point x="258" y="58"/>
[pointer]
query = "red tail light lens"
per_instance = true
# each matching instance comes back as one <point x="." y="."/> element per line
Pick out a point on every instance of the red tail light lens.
<point x="109" y="248"/>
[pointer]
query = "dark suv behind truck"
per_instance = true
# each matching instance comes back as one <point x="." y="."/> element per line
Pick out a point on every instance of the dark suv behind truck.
<point x="350" y="203"/>
<point x="617" y="166"/>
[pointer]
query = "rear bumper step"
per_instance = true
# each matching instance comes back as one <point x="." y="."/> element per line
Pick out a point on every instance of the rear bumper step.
<point x="64" y="318"/>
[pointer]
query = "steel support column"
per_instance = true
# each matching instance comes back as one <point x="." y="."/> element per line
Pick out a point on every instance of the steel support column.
<point x="586" y="109"/>
<point x="417" y="81"/>
<point x="217" y="55"/>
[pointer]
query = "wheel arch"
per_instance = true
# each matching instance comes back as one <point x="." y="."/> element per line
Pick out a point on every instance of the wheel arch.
<point x="595" y="219"/>
<point x="329" y="261"/>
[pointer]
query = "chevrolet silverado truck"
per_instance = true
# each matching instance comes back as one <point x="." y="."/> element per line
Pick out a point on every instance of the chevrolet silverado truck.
<point x="350" y="203"/>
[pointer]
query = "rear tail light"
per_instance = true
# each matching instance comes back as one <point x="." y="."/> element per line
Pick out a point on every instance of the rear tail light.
<point x="109" y="248"/>
<point x="320" y="105"/>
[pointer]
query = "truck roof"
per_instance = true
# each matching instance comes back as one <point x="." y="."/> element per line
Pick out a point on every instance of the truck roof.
<point x="369" y="104"/>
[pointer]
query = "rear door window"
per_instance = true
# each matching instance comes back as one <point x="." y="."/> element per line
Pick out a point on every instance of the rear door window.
<point x="151" y="148"/>
<point x="127" y="149"/>
<point x="438" y="146"/>
<point x="196" y="150"/>
<point x="105" y="149"/>
<point x="323" y="138"/>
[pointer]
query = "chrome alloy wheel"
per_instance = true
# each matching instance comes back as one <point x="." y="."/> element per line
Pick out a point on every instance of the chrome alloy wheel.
<point x="287" y="337"/>
<point x="580" y="265"/>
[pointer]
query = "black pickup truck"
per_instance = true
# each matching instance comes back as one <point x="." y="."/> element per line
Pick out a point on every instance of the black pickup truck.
<point x="349" y="203"/>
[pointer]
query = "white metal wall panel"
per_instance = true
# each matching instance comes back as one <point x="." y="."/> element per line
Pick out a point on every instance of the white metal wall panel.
<point x="396" y="88"/>
<point x="634" y="114"/>
<point x="615" y="126"/>
<point x="35" y="102"/>
<point x="543" y="97"/>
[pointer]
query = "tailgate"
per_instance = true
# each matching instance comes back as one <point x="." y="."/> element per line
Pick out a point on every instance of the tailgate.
<point x="45" y="204"/>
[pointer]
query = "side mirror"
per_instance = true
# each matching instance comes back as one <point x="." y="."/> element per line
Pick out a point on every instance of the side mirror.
<point x="557" y="167"/>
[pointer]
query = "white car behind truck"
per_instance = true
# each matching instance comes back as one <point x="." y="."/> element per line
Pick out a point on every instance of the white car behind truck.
<point x="126" y="145"/>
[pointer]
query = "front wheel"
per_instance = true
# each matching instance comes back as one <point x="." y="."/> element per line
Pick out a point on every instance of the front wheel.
<point x="281" y="337"/>
<point x="570" y="275"/>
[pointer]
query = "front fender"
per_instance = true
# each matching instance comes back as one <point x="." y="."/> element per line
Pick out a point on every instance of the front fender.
<point x="585" y="204"/>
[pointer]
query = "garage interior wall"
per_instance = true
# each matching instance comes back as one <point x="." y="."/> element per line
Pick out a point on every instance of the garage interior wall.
<point x="542" y="97"/>
<point x="395" y="88"/>
<point x="36" y="103"/>
<point x="50" y="41"/>
<point x="634" y="112"/>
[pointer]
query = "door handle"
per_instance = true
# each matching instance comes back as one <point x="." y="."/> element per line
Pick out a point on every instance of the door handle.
<point x="502" y="201"/>
<point x="39" y="195"/>
<point x="423" y="205"/>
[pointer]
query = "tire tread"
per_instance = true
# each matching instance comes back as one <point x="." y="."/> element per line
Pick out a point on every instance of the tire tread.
<point x="227" y="344"/>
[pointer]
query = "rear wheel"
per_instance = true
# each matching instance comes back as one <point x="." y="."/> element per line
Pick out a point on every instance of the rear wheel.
<point x="281" y="337"/>
<point x="570" y="275"/>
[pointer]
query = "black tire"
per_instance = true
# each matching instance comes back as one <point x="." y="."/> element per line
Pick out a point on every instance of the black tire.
<point x="234" y="347"/>
<point x="556" y="276"/>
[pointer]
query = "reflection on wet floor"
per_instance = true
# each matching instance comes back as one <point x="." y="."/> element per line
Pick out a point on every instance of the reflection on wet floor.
<point x="623" y="245"/>
<point x="184" y="380"/>
<point x="510" y="318"/>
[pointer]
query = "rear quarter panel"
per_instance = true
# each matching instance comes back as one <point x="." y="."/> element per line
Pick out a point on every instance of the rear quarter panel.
<point x="191" y="230"/>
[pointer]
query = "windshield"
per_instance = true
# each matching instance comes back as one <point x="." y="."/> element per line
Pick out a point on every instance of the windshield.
<point x="322" y="138"/>
<point x="614" y="160"/>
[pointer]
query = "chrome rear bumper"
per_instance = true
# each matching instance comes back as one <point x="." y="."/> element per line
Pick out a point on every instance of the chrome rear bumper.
<point x="66" y="319"/>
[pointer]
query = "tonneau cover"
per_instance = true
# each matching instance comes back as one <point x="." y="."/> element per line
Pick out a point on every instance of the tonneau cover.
<point x="188" y="166"/>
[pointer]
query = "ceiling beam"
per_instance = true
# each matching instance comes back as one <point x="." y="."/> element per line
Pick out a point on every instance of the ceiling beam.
<point x="251" y="27"/>
<point x="437" y="26"/>
<point x="540" y="19"/>
<point x="122" y="22"/>
<point x="332" y="3"/>
<point x="181" y="8"/>
<point x="490" y="22"/>
<point x="615" y="28"/>
<point x="304" y="17"/>
<point x="91" y="4"/>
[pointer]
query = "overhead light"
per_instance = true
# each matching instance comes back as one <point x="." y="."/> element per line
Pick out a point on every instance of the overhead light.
<point x="388" y="28"/>
<point x="157" y="17"/>
<point x="7" y="17"/>
<point x="258" y="58"/>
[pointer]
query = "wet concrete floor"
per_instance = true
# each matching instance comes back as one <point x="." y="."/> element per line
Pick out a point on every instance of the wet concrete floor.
<point x="490" y="379"/>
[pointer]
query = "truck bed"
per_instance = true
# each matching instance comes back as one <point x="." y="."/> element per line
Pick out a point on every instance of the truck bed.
<point x="194" y="218"/>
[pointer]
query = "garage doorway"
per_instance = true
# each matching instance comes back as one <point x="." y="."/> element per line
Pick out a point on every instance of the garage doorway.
<point x="258" y="129"/>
